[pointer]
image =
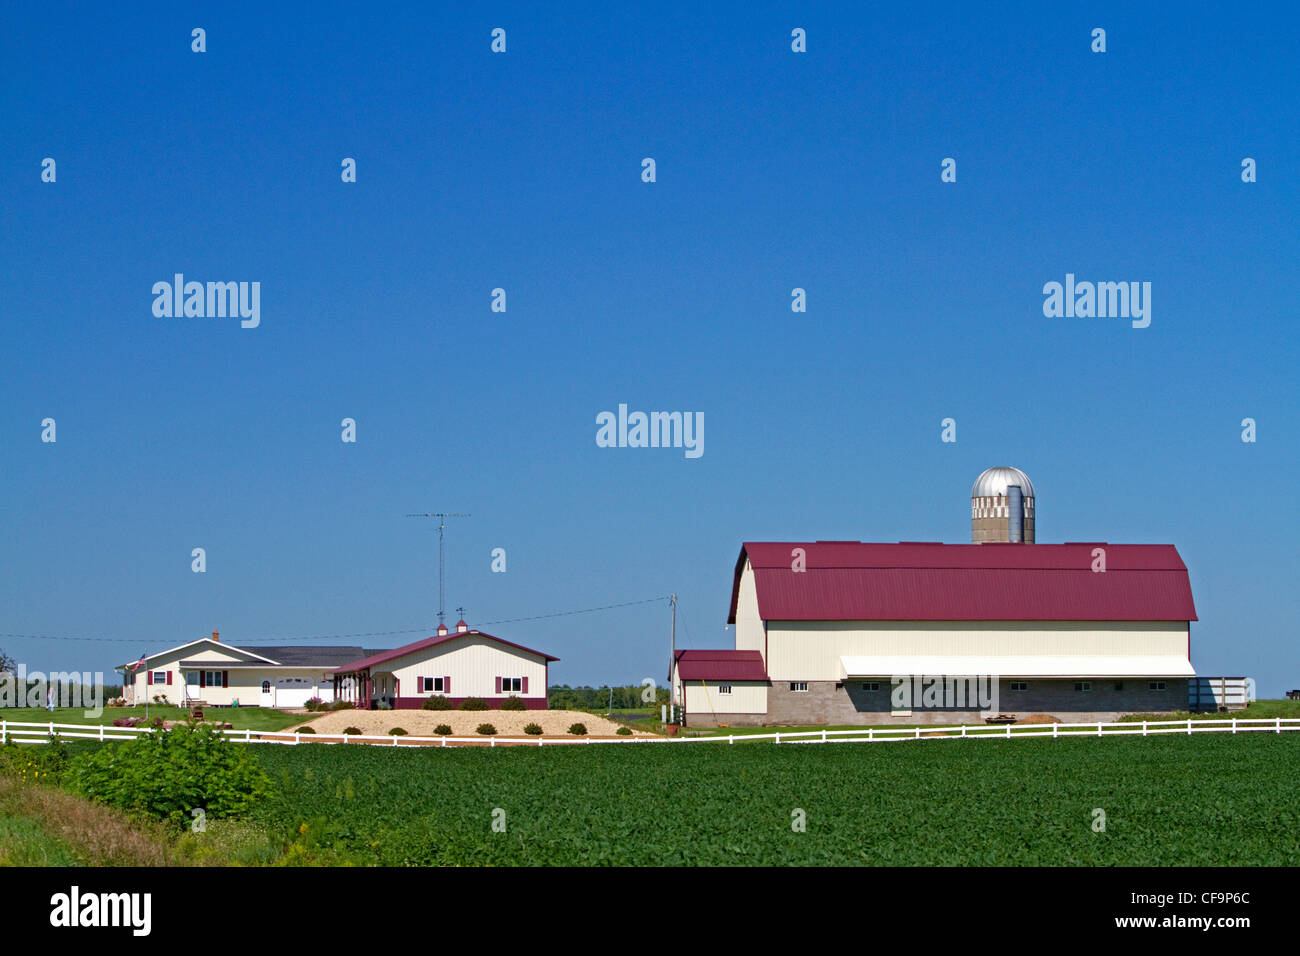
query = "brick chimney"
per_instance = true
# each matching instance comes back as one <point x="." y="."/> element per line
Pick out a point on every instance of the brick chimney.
<point x="216" y="636"/>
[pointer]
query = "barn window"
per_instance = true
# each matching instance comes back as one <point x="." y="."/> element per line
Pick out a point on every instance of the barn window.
<point x="1020" y="685"/>
<point x="512" y="685"/>
<point x="431" y="685"/>
<point x="800" y="686"/>
<point x="1083" y="686"/>
<point x="724" y="688"/>
<point x="871" y="685"/>
<point x="1156" y="685"/>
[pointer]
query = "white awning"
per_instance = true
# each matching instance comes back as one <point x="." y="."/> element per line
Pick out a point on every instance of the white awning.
<point x="852" y="668"/>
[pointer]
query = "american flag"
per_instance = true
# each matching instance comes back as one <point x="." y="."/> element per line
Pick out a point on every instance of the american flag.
<point x="140" y="663"/>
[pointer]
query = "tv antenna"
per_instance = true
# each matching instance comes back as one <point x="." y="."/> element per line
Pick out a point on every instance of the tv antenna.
<point x="442" y="517"/>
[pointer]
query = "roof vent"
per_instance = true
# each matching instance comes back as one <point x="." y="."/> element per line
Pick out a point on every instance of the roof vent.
<point x="442" y="629"/>
<point x="461" y="626"/>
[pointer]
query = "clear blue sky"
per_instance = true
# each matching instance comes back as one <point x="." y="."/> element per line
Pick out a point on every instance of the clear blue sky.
<point x="775" y="171"/>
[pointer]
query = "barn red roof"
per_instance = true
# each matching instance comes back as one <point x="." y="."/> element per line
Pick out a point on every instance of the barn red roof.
<point x="856" y="581"/>
<point x="720" y="665"/>
<point x="382" y="656"/>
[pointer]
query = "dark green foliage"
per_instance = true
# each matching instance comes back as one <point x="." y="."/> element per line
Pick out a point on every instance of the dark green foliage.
<point x="306" y="730"/>
<point x="396" y="732"/>
<point x="474" y="703"/>
<point x="578" y="729"/>
<point x="167" y="774"/>
<point x="443" y="730"/>
<point x="340" y="705"/>
<point x="437" y="702"/>
<point x="624" y="731"/>
<point x="628" y="697"/>
<point x="1175" y="801"/>
<point x="533" y="729"/>
<point x="351" y="731"/>
<point x="486" y="729"/>
<point x="513" y="703"/>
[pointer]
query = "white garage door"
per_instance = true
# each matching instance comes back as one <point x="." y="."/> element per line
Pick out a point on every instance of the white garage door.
<point x="292" y="691"/>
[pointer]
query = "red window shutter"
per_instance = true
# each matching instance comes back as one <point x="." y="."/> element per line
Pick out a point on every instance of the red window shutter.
<point x="525" y="685"/>
<point x="169" y="677"/>
<point x="225" y="678"/>
<point x="446" y="686"/>
<point x="203" y="678"/>
<point x="498" y="685"/>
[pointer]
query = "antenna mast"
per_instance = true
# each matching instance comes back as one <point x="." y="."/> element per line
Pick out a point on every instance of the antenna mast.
<point x="442" y="517"/>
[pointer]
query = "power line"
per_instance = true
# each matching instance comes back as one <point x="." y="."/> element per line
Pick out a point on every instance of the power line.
<point x="322" y="637"/>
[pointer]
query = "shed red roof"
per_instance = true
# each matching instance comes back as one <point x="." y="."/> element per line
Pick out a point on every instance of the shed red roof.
<point x="720" y="665"/>
<point x="367" y="663"/>
<point x="856" y="581"/>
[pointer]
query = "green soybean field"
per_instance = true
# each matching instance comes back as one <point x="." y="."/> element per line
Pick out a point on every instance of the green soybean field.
<point x="1160" y="801"/>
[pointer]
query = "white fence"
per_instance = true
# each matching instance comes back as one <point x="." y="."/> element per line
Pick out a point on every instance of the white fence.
<point x="36" y="733"/>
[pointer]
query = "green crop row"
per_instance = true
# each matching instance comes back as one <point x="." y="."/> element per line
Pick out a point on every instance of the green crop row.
<point x="1207" y="800"/>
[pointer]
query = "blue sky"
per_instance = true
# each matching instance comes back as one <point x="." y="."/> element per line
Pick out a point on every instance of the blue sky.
<point x="775" y="170"/>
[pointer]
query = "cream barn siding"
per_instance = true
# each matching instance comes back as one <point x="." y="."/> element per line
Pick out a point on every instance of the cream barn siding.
<point x="749" y="626"/>
<point x="811" y="650"/>
<point x="702" y="698"/>
<point x="473" y="663"/>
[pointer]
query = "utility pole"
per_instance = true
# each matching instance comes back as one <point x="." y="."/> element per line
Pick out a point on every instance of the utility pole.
<point x="672" y="661"/>
<point x="442" y="517"/>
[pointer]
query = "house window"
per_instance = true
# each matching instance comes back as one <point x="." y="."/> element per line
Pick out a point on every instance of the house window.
<point x="1083" y="686"/>
<point x="799" y="686"/>
<point x="158" y="677"/>
<point x="212" y="678"/>
<point x="266" y="687"/>
<point x="871" y="685"/>
<point x="512" y="685"/>
<point x="1020" y="685"/>
<point x="1156" y="685"/>
<point x="433" y="685"/>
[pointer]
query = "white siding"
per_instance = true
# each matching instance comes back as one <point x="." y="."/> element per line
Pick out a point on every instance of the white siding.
<point x="811" y="650"/>
<point x="745" y="698"/>
<point x="749" y="626"/>
<point x="473" y="663"/>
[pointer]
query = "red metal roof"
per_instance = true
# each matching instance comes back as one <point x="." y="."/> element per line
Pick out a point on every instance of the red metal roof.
<point x="367" y="663"/>
<point x="720" y="665"/>
<point x="856" y="581"/>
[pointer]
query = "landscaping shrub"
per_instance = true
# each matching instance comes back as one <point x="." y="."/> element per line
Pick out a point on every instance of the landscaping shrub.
<point x="396" y="732"/>
<point x="306" y="730"/>
<point x="533" y="729"/>
<point x="168" y="774"/>
<point x="624" y="731"/>
<point x="487" y="730"/>
<point x="474" y="703"/>
<point x="314" y="703"/>
<point x="340" y="705"/>
<point x="443" y="730"/>
<point x="578" y="729"/>
<point x="352" y="731"/>
<point x="513" y="702"/>
<point x="437" y="702"/>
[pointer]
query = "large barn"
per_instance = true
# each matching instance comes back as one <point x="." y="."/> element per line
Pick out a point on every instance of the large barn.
<point x="846" y="632"/>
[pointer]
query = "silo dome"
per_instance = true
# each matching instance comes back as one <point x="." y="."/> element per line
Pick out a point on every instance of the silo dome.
<point x="1002" y="506"/>
<point x="994" y="481"/>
